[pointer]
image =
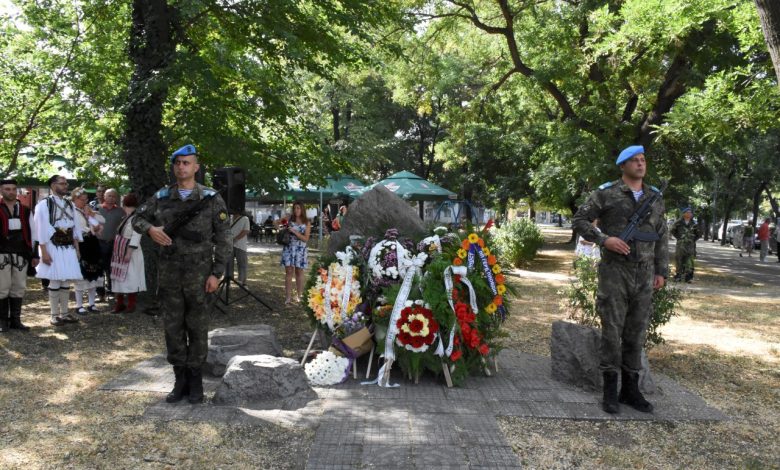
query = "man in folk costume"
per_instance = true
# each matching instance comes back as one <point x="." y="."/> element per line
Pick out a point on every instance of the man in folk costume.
<point x="15" y="254"/>
<point x="58" y="232"/>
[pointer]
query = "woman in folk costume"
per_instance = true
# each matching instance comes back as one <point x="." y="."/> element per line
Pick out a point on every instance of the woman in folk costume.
<point x="91" y="225"/>
<point x="127" y="263"/>
<point x="58" y="231"/>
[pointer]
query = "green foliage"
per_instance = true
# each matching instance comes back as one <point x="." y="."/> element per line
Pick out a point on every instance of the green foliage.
<point x="666" y="301"/>
<point x="517" y="241"/>
<point x="578" y="301"/>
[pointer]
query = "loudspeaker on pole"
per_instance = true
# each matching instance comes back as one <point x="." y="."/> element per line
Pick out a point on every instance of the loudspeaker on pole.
<point x="229" y="181"/>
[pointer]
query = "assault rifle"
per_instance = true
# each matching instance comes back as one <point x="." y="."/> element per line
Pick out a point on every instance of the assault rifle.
<point x="174" y="227"/>
<point x="631" y="232"/>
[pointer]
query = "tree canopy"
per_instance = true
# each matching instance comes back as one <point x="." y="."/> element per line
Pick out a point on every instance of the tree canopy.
<point x="499" y="100"/>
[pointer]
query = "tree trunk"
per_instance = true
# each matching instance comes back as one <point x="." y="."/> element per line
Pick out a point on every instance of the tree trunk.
<point x="769" y="13"/>
<point x="757" y="201"/>
<point x="726" y="217"/>
<point x="347" y="119"/>
<point x="773" y="202"/>
<point x="151" y="50"/>
<point x="335" y="111"/>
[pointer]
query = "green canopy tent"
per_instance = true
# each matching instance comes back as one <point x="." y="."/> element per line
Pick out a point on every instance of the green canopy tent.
<point x="411" y="187"/>
<point x="336" y="187"/>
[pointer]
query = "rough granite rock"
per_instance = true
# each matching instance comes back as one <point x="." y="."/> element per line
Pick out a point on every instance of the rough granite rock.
<point x="264" y="381"/>
<point x="241" y="340"/>
<point x="372" y="214"/>
<point x="574" y="350"/>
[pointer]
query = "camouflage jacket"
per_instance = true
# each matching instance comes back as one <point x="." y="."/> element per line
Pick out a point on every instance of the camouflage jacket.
<point x="686" y="234"/>
<point x="613" y="204"/>
<point x="208" y="230"/>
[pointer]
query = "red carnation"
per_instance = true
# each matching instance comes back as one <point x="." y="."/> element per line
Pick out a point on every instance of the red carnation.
<point x="461" y="309"/>
<point x="466" y="329"/>
<point x="456" y="278"/>
<point x="417" y="341"/>
<point x="416" y="326"/>
<point x="455" y="355"/>
<point x="484" y="349"/>
<point x="457" y="340"/>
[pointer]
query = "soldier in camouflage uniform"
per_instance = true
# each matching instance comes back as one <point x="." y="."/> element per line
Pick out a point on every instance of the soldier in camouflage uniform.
<point x="628" y="274"/>
<point x="191" y="262"/>
<point x="686" y="232"/>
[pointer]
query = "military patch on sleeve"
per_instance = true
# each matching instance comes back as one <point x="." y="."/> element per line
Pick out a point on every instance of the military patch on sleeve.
<point x="607" y="185"/>
<point x="223" y="216"/>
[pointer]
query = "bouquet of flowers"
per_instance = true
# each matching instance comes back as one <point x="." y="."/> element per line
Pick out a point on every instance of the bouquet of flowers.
<point x="335" y="294"/>
<point x="417" y="329"/>
<point x="326" y="369"/>
<point x="386" y="259"/>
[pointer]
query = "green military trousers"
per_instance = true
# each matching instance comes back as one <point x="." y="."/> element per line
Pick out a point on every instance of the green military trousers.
<point x="683" y="257"/>
<point x="182" y="296"/>
<point x="624" y="304"/>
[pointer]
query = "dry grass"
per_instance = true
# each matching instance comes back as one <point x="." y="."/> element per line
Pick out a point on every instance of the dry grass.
<point x="723" y="348"/>
<point x="53" y="416"/>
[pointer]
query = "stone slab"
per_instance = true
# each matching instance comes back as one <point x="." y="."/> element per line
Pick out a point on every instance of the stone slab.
<point x="425" y="425"/>
<point x="152" y="375"/>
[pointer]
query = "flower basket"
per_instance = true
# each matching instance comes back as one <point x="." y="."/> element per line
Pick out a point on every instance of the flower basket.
<point x="359" y="341"/>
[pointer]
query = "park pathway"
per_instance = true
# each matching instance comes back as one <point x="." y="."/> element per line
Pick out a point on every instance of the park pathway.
<point x="425" y="425"/>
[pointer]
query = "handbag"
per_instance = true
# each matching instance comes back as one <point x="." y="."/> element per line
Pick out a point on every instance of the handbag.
<point x="283" y="237"/>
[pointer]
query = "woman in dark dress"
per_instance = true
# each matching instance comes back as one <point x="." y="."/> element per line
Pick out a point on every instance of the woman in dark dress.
<point x="89" y="249"/>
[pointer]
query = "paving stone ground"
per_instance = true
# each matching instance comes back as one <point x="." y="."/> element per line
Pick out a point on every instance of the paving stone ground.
<point x="423" y="425"/>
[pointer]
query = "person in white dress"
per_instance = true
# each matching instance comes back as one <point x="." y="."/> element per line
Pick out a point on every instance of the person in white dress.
<point x="89" y="249"/>
<point x="128" y="274"/>
<point x="586" y="248"/>
<point x="58" y="232"/>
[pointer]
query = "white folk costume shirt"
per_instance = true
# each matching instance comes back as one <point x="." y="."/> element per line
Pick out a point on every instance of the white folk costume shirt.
<point x="65" y="263"/>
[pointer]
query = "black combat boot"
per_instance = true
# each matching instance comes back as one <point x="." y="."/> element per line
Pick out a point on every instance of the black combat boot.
<point x="610" y="400"/>
<point x="195" y="380"/>
<point x="16" y="314"/>
<point x="630" y="394"/>
<point x="180" y="387"/>
<point x="4" y="316"/>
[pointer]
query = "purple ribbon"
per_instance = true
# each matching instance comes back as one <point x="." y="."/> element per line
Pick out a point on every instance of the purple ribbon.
<point x="476" y="250"/>
<point x="348" y="352"/>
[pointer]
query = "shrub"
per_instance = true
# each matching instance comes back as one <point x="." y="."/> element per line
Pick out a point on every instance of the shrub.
<point x="517" y="241"/>
<point x="579" y="301"/>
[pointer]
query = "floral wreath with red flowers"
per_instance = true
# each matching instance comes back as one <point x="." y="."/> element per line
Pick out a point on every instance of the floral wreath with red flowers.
<point x="417" y="328"/>
<point x="472" y="337"/>
<point x="474" y="251"/>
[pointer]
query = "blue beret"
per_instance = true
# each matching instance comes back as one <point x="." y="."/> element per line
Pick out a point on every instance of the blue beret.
<point x="188" y="149"/>
<point x="686" y="209"/>
<point x="629" y="152"/>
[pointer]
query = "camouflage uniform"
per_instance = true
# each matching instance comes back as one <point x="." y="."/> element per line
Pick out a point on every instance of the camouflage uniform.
<point x="624" y="299"/>
<point x="686" y="235"/>
<point x="185" y="265"/>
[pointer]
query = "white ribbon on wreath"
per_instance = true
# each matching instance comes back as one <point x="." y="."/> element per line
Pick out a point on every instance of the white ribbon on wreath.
<point x="451" y="271"/>
<point x="326" y="304"/>
<point x="432" y="240"/>
<point x="410" y="267"/>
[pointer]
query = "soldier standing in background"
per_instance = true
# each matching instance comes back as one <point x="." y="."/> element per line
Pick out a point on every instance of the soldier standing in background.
<point x="686" y="232"/>
<point x="16" y="251"/>
<point x="195" y="251"/>
<point x="628" y="274"/>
